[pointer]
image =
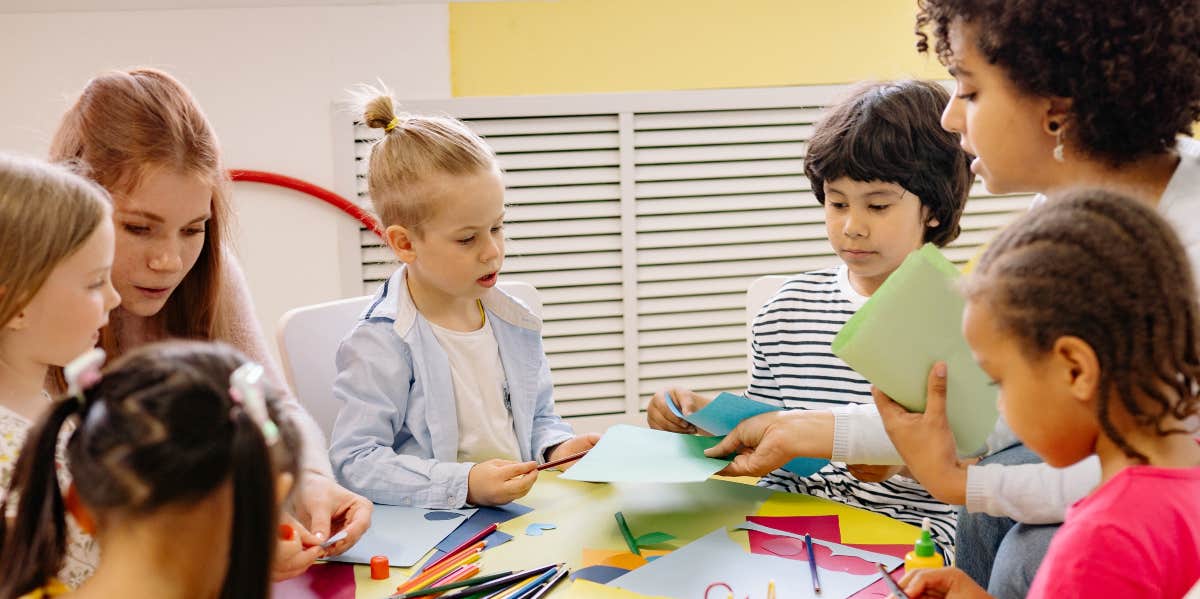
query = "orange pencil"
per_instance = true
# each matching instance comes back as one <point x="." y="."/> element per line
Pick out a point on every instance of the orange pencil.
<point x="423" y="580"/>
<point x="437" y="565"/>
<point x="461" y="573"/>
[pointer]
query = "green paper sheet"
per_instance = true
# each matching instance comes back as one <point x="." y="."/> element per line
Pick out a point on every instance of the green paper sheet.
<point x="635" y="454"/>
<point x="912" y="321"/>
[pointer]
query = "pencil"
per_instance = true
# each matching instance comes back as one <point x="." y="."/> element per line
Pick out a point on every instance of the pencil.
<point x="812" y="563"/>
<point x="459" y="573"/>
<point x="425" y="574"/>
<point x="451" y="586"/>
<point x="891" y="582"/>
<point x="570" y="458"/>
<point x="545" y="587"/>
<point x="475" y="538"/>
<point x="530" y="585"/>
<point x="427" y="577"/>
<point x="492" y="585"/>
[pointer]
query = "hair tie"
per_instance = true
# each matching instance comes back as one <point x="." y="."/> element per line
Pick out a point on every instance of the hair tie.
<point x="246" y="390"/>
<point x="83" y="372"/>
<point x="392" y="124"/>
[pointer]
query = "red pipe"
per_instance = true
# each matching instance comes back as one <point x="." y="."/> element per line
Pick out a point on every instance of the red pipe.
<point x="320" y="193"/>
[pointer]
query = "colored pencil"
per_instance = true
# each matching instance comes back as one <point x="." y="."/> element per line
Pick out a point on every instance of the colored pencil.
<point x="528" y="585"/>
<point x="475" y="538"/>
<point x="512" y="588"/>
<point x="423" y="580"/>
<point x="545" y="587"/>
<point x="499" y="583"/>
<point x="449" y="557"/>
<point x="442" y="588"/>
<point x="570" y="458"/>
<point x="812" y="563"/>
<point x="891" y="582"/>
<point x="459" y="573"/>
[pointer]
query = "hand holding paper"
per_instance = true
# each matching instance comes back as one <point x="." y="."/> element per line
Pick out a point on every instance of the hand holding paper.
<point x="770" y="441"/>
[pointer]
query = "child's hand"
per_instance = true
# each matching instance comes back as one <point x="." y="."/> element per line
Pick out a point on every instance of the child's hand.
<point x="329" y="508"/>
<point x="573" y="446"/>
<point x="925" y="440"/>
<point x="871" y="473"/>
<point x="295" y="551"/>
<point x="950" y="583"/>
<point x="496" y="482"/>
<point x="659" y="415"/>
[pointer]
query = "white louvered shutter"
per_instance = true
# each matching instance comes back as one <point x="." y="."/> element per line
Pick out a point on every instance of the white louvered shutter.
<point x="643" y="218"/>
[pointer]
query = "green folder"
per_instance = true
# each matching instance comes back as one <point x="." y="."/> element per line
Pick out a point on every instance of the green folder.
<point x="912" y="321"/>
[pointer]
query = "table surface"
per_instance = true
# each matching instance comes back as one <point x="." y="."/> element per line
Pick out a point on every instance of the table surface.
<point x="583" y="516"/>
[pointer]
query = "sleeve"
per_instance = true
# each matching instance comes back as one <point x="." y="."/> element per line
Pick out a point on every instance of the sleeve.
<point x="1030" y="493"/>
<point x="1098" y="561"/>
<point x="859" y="437"/>
<point x="374" y="382"/>
<point x="549" y="429"/>
<point x="240" y="329"/>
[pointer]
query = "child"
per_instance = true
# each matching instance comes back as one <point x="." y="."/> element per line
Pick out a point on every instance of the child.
<point x="1084" y="313"/>
<point x="178" y="478"/>
<point x="890" y="179"/>
<point x="445" y="386"/>
<point x="56" y="251"/>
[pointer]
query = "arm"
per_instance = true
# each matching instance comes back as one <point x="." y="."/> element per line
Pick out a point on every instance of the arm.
<point x="374" y="383"/>
<point x="1030" y="493"/>
<point x="859" y="437"/>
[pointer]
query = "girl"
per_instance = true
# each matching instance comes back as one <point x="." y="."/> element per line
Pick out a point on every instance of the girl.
<point x="56" y="251"/>
<point x="890" y="179"/>
<point x="1084" y="313"/>
<point x="177" y="476"/>
<point x="148" y="143"/>
<point x="445" y="387"/>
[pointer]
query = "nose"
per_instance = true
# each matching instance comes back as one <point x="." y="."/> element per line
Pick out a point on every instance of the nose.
<point x="493" y="248"/>
<point x="166" y="258"/>
<point x="952" y="115"/>
<point x="112" y="299"/>
<point x="855" y="225"/>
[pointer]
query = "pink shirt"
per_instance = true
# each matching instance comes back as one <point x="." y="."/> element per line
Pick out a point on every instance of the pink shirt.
<point x="1138" y="535"/>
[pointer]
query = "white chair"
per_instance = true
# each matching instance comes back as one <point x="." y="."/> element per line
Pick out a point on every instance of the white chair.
<point x="308" y="340"/>
<point x="761" y="290"/>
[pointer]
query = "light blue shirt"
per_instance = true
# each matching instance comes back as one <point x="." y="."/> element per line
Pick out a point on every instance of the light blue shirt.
<point x="395" y="440"/>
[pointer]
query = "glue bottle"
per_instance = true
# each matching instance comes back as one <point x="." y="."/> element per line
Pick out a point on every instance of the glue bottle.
<point x="924" y="553"/>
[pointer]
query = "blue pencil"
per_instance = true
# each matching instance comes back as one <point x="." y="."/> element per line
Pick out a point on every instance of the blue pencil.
<point x="812" y="563"/>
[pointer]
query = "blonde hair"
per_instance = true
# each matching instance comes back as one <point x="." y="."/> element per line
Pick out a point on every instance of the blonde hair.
<point x="415" y="148"/>
<point x="46" y="213"/>
<point x="128" y="123"/>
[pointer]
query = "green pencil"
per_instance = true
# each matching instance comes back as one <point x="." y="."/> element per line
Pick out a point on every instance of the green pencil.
<point x="454" y="585"/>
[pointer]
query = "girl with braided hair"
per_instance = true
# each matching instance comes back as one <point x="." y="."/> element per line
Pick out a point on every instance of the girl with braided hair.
<point x="1084" y="313"/>
<point x="178" y="478"/>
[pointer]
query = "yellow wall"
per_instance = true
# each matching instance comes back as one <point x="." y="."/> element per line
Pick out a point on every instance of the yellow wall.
<point x="584" y="46"/>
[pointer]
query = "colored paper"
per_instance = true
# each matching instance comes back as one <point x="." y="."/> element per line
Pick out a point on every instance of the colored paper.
<point x="912" y="321"/>
<point x="481" y="519"/>
<point x="858" y="526"/>
<point x="537" y="528"/>
<point x="585" y="589"/>
<point x="635" y="454"/>
<point x="319" y="581"/>
<point x="403" y="534"/>
<point x="620" y="559"/>
<point x="726" y="410"/>
<point x="715" y="557"/>
<point x="837" y="556"/>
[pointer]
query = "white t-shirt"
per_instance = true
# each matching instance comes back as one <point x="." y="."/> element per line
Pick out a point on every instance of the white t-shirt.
<point x="485" y="425"/>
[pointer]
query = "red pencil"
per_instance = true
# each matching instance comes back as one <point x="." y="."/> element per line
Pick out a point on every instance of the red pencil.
<point x="479" y="536"/>
<point x="570" y="458"/>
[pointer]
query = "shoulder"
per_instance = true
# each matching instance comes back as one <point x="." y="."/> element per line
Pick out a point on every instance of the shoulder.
<point x="814" y="292"/>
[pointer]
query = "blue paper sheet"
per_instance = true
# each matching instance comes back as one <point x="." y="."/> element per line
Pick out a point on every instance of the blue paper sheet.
<point x="481" y="519"/>
<point x="724" y="413"/>
<point x="403" y="534"/>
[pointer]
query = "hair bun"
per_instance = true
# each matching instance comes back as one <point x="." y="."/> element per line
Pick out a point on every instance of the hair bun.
<point x="379" y="112"/>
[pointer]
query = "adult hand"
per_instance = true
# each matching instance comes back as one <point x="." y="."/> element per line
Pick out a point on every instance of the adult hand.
<point x="327" y="508"/>
<point x="766" y="442"/>
<point x="659" y="415"/>
<point x="571" y="447"/>
<point x="950" y="583"/>
<point x="497" y="482"/>
<point x="925" y="440"/>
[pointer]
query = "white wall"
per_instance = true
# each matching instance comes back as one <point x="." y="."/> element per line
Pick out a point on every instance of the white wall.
<point x="267" y="77"/>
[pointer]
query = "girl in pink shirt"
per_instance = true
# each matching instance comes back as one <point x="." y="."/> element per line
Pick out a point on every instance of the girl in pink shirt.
<point x="1084" y="313"/>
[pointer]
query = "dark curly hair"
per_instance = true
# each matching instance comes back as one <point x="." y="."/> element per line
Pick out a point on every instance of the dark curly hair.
<point x="1130" y="67"/>
<point x="891" y="132"/>
<point x="1109" y="270"/>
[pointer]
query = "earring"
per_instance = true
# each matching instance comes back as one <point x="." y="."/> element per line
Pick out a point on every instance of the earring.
<point x="1057" y="129"/>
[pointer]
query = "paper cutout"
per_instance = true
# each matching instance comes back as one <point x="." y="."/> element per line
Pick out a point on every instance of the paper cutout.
<point x="686" y="572"/>
<point x="635" y="454"/>
<point x="723" y="414"/>
<point x="600" y="574"/>
<point x="653" y="538"/>
<point x="858" y="526"/>
<point x="481" y="519"/>
<point x="403" y="534"/>
<point x="335" y="581"/>
<point x="586" y="589"/>
<point x="536" y="529"/>
<point x="835" y="549"/>
<point x="913" y="320"/>
<point x="620" y="559"/>
<point x="443" y="515"/>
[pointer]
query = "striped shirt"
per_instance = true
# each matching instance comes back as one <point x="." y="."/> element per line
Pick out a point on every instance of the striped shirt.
<point x="794" y="367"/>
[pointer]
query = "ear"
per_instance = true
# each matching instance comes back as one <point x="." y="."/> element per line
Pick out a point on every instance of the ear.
<point x="80" y="512"/>
<point x="1057" y="112"/>
<point x="930" y="221"/>
<point x="283" y="486"/>
<point x="1079" y="366"/>
<point x="17" y="322"/>
<point x="400" y="239"/>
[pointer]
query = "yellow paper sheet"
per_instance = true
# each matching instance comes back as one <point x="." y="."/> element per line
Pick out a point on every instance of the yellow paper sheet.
<point x="586" y="589"/>
<point x="858" y="526"/>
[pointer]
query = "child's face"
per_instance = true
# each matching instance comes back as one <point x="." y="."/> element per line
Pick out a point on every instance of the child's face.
<point x="459" y="251"/>
<point x="66" y="314"/>
<point x="160" y="226"/>
<point x="872" y="226"/>
<point x="1002" y="127"/>
<point x="1036" y="397"/>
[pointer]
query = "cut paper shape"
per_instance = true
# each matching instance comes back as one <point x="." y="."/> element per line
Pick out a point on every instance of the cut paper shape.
<point x="835" y="550"/>
<point x="685" y="572"/>
<point x="600" y="574"/>
<point x="635" y="454"/>
<point x="723" y="414"/>
<point x="335" y="581"/>
<point x="481" y="519"/>
<point x="443" y="515"/>
<point x="586" y="589"/>
<point x="620" y="559"/>
<point x="912" y="321"/>
<point x="403" y="534"/>
<point x="857" y="526"/>
<point x="653" y="538"/>
<point x="536" y="529"/>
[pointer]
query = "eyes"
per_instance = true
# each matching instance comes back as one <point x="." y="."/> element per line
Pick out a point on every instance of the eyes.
<point x="471" y="238"/>
<point x="143" y="230"/>
<point x="871" y="207"/>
